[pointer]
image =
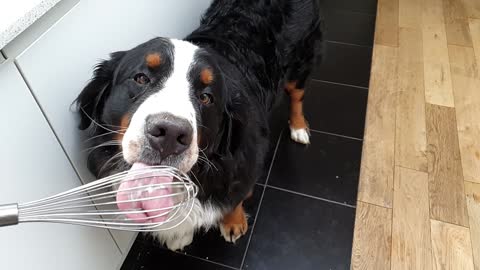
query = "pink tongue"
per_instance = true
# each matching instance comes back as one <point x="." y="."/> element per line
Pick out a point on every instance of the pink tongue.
<point x="149" y="208"/>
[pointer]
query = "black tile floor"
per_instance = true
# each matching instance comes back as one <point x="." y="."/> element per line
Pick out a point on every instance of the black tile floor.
<point x="302" y="211"/>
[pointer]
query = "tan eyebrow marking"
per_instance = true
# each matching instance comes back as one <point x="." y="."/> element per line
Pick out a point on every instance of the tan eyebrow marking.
<point x="206" y="76"/>
<point x="153" y="60"/>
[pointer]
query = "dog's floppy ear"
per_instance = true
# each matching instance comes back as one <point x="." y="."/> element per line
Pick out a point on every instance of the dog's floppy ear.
<point x="91" y="100"/>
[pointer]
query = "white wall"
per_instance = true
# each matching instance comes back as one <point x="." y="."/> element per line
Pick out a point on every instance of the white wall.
<point x="34" y="166"/>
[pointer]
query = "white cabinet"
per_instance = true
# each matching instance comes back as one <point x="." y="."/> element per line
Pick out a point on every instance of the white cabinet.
<point x="33" y="165"/>
<point x="60" y="62"/>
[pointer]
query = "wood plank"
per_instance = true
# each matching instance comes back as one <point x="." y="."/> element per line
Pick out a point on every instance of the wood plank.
<point x="432" y="12"/>
<point x="446" y="190"/>
<point x="454" y="9"/>
<point x="372" y="237"/>
<point x="458" y="32"/>
<point x="411" y="243"/>
<point x="475" y="33"/>
<point x="437" y="78"/>
<point x="472" y="192"/>
<point x="473" y="8"/>
<point x="410" y="14"/>
<point x="466" y="83"/>
<point x="438" y="84"/>
<point x="456" y="23"/>
<point x="376" y="173"/>
<point x="462" y="62"/>
<point x="451" y="246"/>
<point x="410" y="138"/>
<point x="469" y="128"/>
<point x="467" y="99"/>
<point x="386" y="27"/>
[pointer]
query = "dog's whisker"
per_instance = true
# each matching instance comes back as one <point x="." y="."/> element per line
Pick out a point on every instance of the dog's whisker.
<point x="96" y="123"/>
<point x="110" y="125"/>
<point x="198" y="181"/>
<point x="209" y="161"/>
<point x="203" y="161"/>
<point x="117" y="163"/>
<point x="108" y="143"/>
<point x="102" y="145"/>
<point x="200" y="125"/>
<point x="205" y="148"/>
<point x="119" y="154"/>
<point x="209" y="164"/>
<point x="101" y="135"/>
<point x="139" y="94"/>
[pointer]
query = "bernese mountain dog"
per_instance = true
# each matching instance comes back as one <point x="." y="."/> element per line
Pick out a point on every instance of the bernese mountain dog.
<point x="201" y="104"/>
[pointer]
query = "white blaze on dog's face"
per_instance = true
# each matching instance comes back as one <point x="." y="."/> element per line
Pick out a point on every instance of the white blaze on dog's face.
<point x="165" y="98"/>
<point x="169" y="109"/>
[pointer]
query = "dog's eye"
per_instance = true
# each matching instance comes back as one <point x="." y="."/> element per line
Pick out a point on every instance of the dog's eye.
<point x="205" y="98"/>
<point x="141" y="78"/>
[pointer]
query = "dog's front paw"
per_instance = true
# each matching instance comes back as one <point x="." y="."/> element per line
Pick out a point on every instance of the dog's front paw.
<point x="301" y="135"/>
<point x="233" y="231"/>
<point x="234" y="224"/>
<point x="178" y="242"/>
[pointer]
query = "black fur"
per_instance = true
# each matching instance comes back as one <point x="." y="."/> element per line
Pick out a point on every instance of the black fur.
<point x="253" y="47"/>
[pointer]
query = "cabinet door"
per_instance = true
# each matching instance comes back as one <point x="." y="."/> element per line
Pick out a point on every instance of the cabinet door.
<point x="59" y="64"/>
<point x="33" y="166"/>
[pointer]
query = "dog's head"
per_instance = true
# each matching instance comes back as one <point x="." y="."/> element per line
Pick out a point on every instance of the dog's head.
<point x="162" y="102"/>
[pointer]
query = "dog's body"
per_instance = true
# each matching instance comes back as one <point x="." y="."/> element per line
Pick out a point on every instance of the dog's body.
<point x="201" y="104"/>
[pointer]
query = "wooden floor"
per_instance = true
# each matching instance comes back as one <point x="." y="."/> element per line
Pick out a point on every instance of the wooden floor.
<point x="419" y="193"/>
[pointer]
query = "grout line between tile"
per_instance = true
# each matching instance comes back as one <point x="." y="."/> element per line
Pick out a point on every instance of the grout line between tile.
<point x="274" y="156"/>
<point x="261" y="198"/>
<point x="342" y="84"/>
<point x="337" y="135"/>
<point x="311" y="196"/>
<point x="205" y="260"/>
<point x="350" y="44"/>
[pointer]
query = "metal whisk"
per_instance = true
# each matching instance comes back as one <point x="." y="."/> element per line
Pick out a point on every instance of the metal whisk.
<point x="146" y="199"/>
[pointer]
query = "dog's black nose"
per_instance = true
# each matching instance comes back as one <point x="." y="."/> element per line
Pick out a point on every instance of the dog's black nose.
<point x="168" y="134"/>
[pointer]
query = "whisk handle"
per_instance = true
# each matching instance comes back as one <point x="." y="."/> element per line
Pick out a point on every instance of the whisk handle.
<point x="8" y="214"/>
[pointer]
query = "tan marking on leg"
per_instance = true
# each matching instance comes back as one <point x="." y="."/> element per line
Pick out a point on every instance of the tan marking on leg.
<point x="234" y="224"/>
<point x="297" y="119"/>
